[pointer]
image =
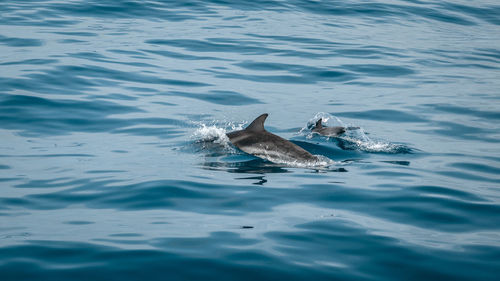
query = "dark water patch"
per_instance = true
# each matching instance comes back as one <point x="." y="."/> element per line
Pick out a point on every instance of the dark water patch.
<point x="488" y="13"/>
<point x="121" y="242"/>
<point x="467" y="176"/>
<point x="371" y="52"/>
<point x="4" y="167"/>
<point x="48" y="155"/>
<point x="31" y="62"/>
<point x="301" y="40"/>
<point x="169" y="11"/>
<point x="177" y="257"/>
<point x="338" y="8"/>
<point x="234" y="18"/>
<point x="114" y="97"/>
<point x="18" y="102"/>
<point x="286" y="79"/>
<point x="164" y="103"/>
<point x="444" y="214"/>
<point x="8" y="203"/>
<point x="441" y="213"/>
<point x="382" y="115"/>
<point x="34" y="13"/>
<point x="454" y="212"/>
<point x="271" y="66"/>
<point x="181" y="56"/>
<point x="87" y="55"/>
<point x="460" y="110"/>
<point x="461" y="131"/>
<point x="403" y="85"/>
<point x="28" y="20"/>
<point x="214" y="45"/>
<point x="379" y="70"/>
<point x="383" y="12"/>
<point x="439" y="15"/>
<point x="71" y="41"/>
<point x="40" y="116"/>
<point x="481" y="168"/>
<point x="387" y="174"/>
<point x="95" y="57"/>
<point x="126" y="52"/>
<point x="489" y="53"/>
<point x="429" y="213"/>
<point x="52" y="183"/>
<point x="126" y="235"/>
<point x="159" y="222"/>
<point x="113" y="74"/>
<point x="250" y="5"/>
<point x="53" y="82"/>
<point x="147" y="195"/>
<point x="220" y="97"/>
<point x="449" y="192"/>
<point x="473" y="62"/>
<point x="105" y="171"/>
<point x="226" y="45"/>
<point x="78" y="222"/>
<point x="76" y="33"/>
<point x="308" y="75"/>
<point x="391" y="259"/>
<point x="20" y="42"/>
<point x="402" y="163"/>
<point x="8" y="179"/>
<point x="74" y="79"/>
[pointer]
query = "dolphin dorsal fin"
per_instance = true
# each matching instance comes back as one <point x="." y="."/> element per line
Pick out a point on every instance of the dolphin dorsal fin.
<point x="258" y="124"/>
<point x="318" y="124"/>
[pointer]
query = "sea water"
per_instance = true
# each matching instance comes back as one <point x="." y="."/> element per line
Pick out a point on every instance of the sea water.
<point x="114" y="163"/>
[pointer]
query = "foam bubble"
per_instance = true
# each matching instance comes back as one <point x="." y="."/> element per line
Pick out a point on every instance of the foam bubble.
<point x="211" y="133"/>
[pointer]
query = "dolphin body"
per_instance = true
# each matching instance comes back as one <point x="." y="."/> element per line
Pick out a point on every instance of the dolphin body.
<point x="328" y="131"/>
<point x="255" y="140"/>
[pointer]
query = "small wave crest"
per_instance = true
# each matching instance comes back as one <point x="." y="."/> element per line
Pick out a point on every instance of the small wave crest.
<point x="354" y="138"/>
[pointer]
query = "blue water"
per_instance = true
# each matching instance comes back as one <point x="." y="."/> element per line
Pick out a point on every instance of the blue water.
<point x="113" y="164"/>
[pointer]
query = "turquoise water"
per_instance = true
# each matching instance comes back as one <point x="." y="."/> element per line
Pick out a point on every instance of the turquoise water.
<point x="109" y="169"/>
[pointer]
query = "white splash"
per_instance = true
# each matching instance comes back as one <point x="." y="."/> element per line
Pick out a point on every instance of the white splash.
<point x="354" y="138"/>
<point x="215" y="134"/>
<point x="211" y="133"/>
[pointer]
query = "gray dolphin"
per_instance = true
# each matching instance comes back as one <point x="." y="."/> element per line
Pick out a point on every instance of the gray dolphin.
<point x="328" y="131"/>
<point x="255" y="140"/>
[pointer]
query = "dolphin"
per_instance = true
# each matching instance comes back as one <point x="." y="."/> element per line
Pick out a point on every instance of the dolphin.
<point x="327" y="131"/>
<point x="255" y="140"/>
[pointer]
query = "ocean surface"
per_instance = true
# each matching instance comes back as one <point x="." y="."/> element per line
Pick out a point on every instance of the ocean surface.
<point x="114" y="163"/>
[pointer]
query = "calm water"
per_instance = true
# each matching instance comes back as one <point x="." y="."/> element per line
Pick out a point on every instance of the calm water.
<point x="106" y="109"/>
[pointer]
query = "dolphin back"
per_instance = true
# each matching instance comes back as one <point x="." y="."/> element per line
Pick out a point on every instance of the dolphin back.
<point x="257" y="125"/>
<point x="255" y="140"/>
